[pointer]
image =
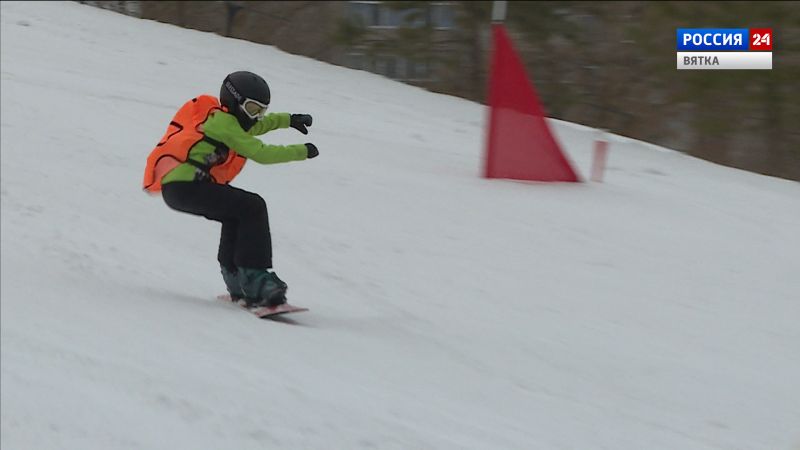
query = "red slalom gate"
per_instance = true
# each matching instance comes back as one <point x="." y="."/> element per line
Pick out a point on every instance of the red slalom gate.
<point x="520" y="144"/>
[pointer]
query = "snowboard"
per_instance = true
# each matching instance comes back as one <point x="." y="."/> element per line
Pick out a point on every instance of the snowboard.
<point x="264" y="312"/>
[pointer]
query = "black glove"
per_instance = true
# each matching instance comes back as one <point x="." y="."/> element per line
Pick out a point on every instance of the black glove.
<point x="312" y="150"/>
<point x="300" y="122"/>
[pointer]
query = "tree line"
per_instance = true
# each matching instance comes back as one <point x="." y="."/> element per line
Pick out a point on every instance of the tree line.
<point x="608" y="65"/>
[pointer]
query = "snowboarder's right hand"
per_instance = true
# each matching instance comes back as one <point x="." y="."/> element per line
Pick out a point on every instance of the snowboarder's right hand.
<point x="312" y="150"/>
<point x="300" y="121"/>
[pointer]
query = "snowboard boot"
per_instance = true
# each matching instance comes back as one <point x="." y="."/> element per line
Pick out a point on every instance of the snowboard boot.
<point x="279" y="281"/>
<point x="232" y="283"/>
<point x="282" y="284"/>
<point x="261" y="288"/>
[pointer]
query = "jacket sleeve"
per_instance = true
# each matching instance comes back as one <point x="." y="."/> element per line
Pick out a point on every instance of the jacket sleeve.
<point x="270" y="122"/>
<point x="224" y="127"/>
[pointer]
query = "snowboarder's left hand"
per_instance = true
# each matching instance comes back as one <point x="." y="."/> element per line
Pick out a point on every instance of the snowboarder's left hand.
<point x="300" y="122"/>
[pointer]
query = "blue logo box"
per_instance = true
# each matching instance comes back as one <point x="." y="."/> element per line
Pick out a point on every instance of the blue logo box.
<point x="712" y="39"/>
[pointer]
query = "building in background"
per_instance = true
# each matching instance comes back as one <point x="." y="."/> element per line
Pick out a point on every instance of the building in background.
<point x="375" y="28"/>
<point x="357" y="34"/>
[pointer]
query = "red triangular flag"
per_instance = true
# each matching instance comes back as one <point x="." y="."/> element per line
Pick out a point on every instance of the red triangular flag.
<point x="520" y="145"/>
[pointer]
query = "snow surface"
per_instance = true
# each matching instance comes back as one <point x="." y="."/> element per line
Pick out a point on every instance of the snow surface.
<point x="658" y="310"/>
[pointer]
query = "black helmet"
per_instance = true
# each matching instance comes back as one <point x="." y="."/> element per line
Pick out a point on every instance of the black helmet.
<point x="246" y="95"/>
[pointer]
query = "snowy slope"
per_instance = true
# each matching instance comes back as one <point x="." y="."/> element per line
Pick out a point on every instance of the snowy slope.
<point x="658" y="310"/>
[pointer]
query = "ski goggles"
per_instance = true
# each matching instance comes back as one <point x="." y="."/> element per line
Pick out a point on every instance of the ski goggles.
<point x="253" y="108"/>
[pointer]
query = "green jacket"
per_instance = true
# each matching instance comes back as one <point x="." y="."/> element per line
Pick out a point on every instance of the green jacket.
<point x="224" y="127"/>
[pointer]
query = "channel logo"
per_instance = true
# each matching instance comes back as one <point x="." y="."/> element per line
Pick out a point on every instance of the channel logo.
<point x="724" y="48"/>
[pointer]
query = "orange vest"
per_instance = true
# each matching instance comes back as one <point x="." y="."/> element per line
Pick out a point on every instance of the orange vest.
<point x="183" y="133"/>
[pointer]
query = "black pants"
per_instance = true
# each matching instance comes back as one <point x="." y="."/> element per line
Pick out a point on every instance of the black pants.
<point x="245" y="240"/>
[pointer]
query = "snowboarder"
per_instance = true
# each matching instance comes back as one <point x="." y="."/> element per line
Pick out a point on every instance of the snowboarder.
<point x="204" y="148"/>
